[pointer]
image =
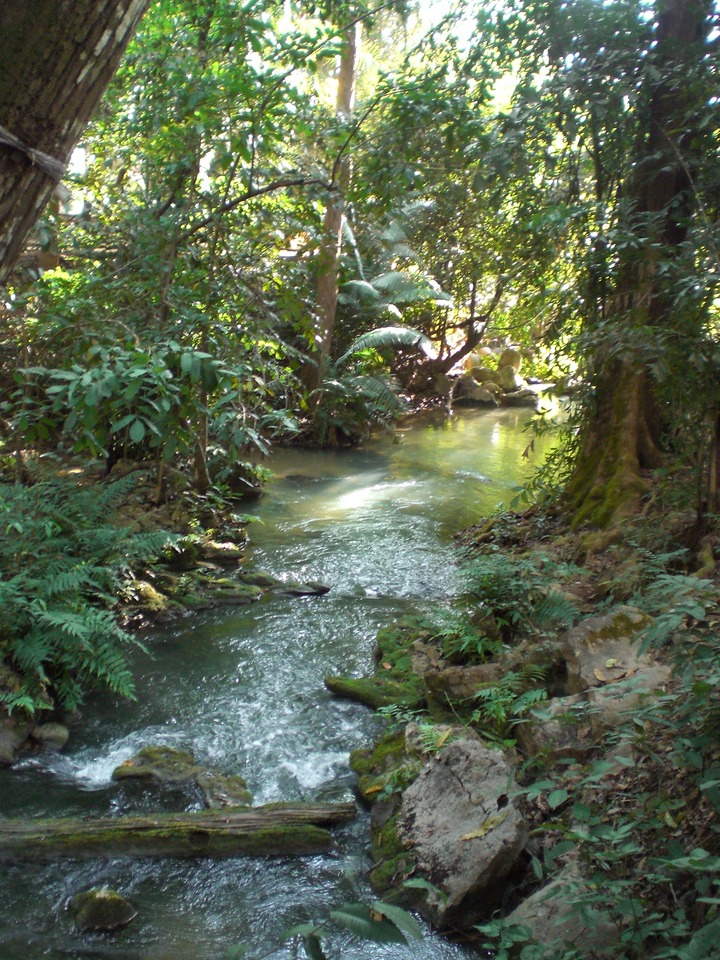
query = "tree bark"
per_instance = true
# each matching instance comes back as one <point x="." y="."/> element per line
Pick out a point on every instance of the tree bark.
<point x="622" y="436"/>
<point x="57" y="56"/>
<point x="275" y="830"/>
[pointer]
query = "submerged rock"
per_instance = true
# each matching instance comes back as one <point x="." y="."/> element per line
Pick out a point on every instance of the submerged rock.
<point x="461" y="830"/>
<point x="101" y="909"/>
<point x="219" y="791"/>
<point x="297" y="588"/>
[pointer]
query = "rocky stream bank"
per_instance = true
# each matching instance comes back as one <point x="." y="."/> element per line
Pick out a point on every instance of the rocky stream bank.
<point x="534" y="773"/>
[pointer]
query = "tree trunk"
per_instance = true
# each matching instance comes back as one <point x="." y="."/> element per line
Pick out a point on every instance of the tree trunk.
<point x="621" y="437"/>
<point x="331" y="247"/>
<point x="57" y="56"/>
<point x="282" y="829"/>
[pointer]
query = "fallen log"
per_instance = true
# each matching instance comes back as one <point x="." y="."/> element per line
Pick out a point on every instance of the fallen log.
<point x="274" y="830"/>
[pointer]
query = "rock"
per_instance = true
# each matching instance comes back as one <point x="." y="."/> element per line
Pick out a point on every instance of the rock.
<point x="510" y="358"/>
<point x="12" y="736"/>
<point x="600" y="650"/>
<point x="150" y="600"/>
<point x="223" y="553"/>
<point x="521" y="398"/>
<point x="477" y="358"/>
<point x="220" y="792"/>
<point x="462" y="831"/>
<point x="296" y="588"/>
<point x="508" y="379"/>
<point x="468" y="391"/>
<point x="376" y="691"/>
<point x="260" y="579"/>
<point x="558" y="730"/>
<point x="101" y="909"/>
<point x="230" y="593"/>
<point x="611" y="704"/>
<point x="54" y="735"/>
<point x="162" y="764"/>
<point x="551" y="920"/>
<point x="426" y="658"/>
<point x="461" y="683"/>
<point x="483" y="375"/>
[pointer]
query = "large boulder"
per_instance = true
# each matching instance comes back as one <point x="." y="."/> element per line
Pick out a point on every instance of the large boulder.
<point x="461" y="830"/>
<point x="168" y="765"/>
<point x="159" y="764"/>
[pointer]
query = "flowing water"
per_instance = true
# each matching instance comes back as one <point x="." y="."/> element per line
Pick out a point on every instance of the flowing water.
<point x="242" y="688"/>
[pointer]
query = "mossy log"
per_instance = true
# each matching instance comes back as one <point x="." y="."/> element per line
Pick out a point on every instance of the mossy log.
<point x="282" y="829"/>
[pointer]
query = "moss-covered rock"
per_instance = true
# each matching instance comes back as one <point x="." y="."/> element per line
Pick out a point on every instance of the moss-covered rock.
<point x="101" y="909"/>
<point x="377" y="691"/>
<point x="220" y="791"/>
<point x="158" y="763"/>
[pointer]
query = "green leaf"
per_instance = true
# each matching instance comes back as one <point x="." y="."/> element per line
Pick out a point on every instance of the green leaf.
<point x="359" y="919"/>
<point x="419" y="883"/>
<point x="557" y="798"/>
<point x="137" y="431"/>
<point x="701" y="945"/>
<point x="401" y="918"/>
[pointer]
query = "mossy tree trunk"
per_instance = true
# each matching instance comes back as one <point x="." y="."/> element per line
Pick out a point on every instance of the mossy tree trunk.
<point x="282" y="829"/>
<point x="57" y="56"/>
<point x="622" y="433"/>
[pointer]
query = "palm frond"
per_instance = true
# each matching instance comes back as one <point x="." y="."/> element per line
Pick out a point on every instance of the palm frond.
<point x="395" y="337"/>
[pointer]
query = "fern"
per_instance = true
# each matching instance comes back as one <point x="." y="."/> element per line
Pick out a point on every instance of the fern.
<point x="59" y="558"/>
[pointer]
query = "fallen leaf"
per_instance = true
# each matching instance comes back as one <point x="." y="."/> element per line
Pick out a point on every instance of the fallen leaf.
<point x="486" y="827"/>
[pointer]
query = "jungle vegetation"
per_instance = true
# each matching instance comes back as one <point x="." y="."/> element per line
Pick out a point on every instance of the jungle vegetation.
<point x="225" y="225"/>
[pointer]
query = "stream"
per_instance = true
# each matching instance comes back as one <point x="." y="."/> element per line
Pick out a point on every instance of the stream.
<point x="243" y="689"/>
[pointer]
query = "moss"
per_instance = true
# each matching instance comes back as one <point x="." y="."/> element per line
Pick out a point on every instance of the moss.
<point x="387" y="764"/>
<point x="176" y="841"/>
<point x="393" y="864"/>
<point x="394" y="647"/>
<point x="101" y="909"/>
<point x="377" y="691"/>
<point x="150" y="600"/>
<point x="165" y="764"/>
<point x="222" y="792"/>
